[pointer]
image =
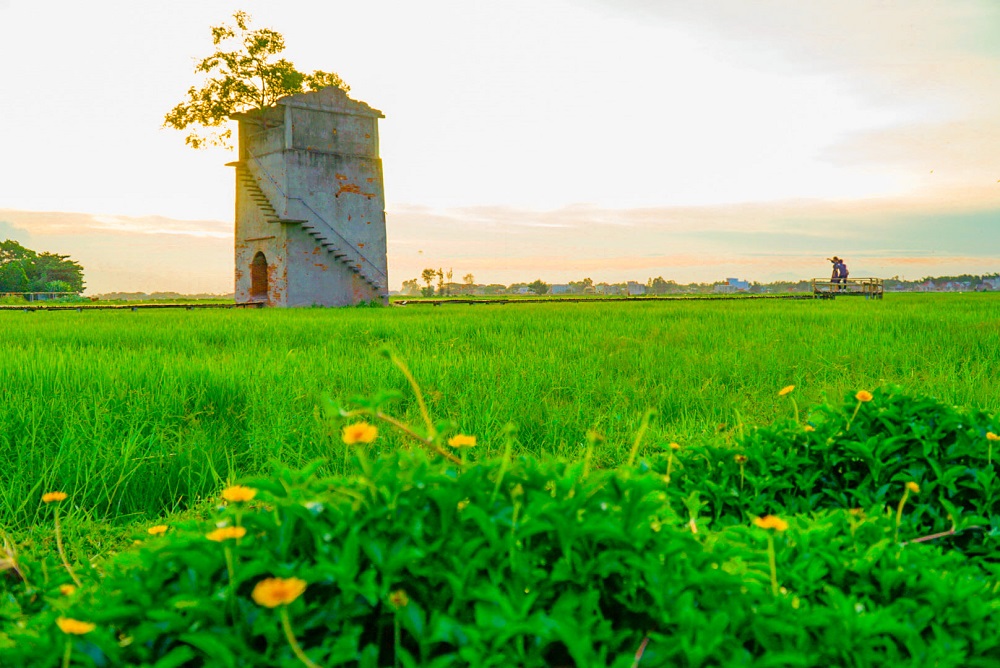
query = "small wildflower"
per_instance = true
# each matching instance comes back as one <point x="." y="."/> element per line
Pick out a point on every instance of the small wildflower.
<point x="158" y="530"/>
<point x="67" y="590"/>
<point x="771" y="522"/>
<point x="857" y="512"/>
<point x="517" y="491"/>
<point x="990" y="436"/>
<point x="675" y="446"/>
<point x="740" y="459"/>
<point x="237" y="493"/>
<point x="74" y="626"/>
<point x="863" y="396"/>
<point x="913" y="487"/>
<point x="398" y="599"/>
<point x="359" y="432"/>
<point x="463" y="504"/>
<point x="462" y="441"/>
<point x="53" y="496"/>
<point x="786" y="390"/>
<point x="809" y="427"/>
<point x="272" y="592"/>
<point x="225" y="533"/>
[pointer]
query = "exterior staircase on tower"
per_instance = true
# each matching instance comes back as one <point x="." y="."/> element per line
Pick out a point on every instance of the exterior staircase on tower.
<point x="327" y="238"/>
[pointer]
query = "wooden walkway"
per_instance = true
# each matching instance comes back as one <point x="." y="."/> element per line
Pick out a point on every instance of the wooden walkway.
<point x="869" y="288"/>
<point x="41" y="306"/>
<point x="593" y="300"/>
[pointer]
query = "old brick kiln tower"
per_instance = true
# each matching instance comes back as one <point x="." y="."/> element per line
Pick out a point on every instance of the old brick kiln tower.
<point x="310" y="205"/>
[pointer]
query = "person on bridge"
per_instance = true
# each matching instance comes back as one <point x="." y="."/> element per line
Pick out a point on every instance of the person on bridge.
<point x="835" y="278"/>
<point x="843" y="272"/>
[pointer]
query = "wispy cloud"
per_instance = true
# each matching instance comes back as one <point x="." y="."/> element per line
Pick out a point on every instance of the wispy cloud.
<point x="119" y="253"/>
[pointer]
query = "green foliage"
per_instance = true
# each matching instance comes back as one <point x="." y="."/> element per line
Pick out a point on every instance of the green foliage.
<point x="539" y="287"/>
<point x="24" y="270"/>
<point x="248" y="76"/>
<point x="139" y="414"/>
<point x="415" y="561"/>
<point x="858" y="456"/>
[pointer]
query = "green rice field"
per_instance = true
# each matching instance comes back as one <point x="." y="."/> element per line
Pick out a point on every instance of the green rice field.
<point x="141" y="414"/>
<point x="636" y="484"/>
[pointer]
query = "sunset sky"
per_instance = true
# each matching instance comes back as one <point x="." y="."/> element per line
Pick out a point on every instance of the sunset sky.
<point x="523" y="139"/>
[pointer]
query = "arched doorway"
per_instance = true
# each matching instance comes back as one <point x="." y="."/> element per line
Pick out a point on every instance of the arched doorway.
<point x="258" y="278"/>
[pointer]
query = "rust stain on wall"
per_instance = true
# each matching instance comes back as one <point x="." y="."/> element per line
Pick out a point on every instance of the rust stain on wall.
<point x="352" y="188"/>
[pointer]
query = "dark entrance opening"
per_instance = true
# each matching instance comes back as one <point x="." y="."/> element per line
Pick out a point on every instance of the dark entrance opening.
<point x="258" y="277"/>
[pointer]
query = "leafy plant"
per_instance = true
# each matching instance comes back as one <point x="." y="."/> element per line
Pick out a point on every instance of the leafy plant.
<point x="246" y="77"/>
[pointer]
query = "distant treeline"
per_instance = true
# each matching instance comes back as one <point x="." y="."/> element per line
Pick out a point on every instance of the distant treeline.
<point x="24" y="270"/>
<point x="158" y="296"/>
<point x="662" y="286"/>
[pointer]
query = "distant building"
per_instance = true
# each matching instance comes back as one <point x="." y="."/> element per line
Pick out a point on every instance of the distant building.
<point x="559" y="289"/>
<point x="634" y="288"/>
<point x="732" y="285"/>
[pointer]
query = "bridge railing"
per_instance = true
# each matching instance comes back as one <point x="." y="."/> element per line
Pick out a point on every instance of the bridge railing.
<point x="869" y="288"/>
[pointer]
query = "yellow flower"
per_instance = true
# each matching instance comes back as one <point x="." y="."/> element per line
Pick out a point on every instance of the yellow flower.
<point x="359" y="432"/>
<point x="462" y="441"/>
<point x="913" y="487"/>
<point x="226" y="533"/>
<point x="771" y="522"/>
<point x="237" y="493"/>
<point x="863" y="396"/>
<point x="272" y="592"/>
<point x="74" y="626"/>
<point x="157" y="530"/>
<point x="398" y="599"/>
<point x="990" y="436"/>
<point x="675" y="446"/>
<point x="740" y="459"/>
<point x="809" y="427"/>
<point x="53" y="496"/>
<point x="786" y="390"/>
<point x="463" y="504"/>
<point x="67" y="590"/>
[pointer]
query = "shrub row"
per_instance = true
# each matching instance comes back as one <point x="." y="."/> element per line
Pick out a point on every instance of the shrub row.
<point x="418" y="561"/>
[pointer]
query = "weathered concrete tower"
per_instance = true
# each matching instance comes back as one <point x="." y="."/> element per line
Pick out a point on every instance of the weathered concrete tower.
<point x="310" y="205"/>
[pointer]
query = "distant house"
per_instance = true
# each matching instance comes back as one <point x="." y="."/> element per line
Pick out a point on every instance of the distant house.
<point x="559" y="289"/>
<point x="634" y="288"/>
<point x="732" y="285"/>
<point x="606" y="289"/>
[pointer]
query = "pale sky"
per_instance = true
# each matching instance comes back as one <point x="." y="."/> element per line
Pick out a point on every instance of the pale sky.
<point x="523" y="139"/>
